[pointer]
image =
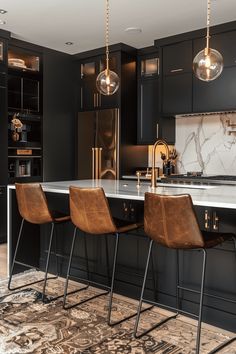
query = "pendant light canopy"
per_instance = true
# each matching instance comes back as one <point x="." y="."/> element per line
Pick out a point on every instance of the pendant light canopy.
<point x="107" y="81"/>
<point x="208" y="63"/>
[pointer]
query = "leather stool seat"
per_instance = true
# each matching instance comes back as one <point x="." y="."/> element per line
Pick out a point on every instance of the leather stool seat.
<point x="91" y="214"/>
<point x="33" y="208"/>
<point x="171" y="222"/>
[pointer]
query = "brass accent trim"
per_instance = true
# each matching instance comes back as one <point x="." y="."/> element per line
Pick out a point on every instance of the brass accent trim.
<point x="207" y="220"/>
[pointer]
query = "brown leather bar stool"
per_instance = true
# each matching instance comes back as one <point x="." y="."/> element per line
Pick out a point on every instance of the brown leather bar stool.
<point x="171" y="222"/>
<point x="90" y="213"/>
<point x="33" y="208"/>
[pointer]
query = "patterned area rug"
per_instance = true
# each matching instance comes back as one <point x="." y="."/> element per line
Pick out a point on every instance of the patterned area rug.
<point x="28" y="326"/>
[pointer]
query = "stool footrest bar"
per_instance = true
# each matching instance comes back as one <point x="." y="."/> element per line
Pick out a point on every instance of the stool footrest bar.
<point x="85" y="300"/>
<point x="169" y="308"/>
<point x="128" y="317"/>
<point x="207" y="294"/>
<point x="223" y="345"/>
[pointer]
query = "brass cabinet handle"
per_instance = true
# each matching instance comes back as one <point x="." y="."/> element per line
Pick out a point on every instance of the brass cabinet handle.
<point x="215" y="222"/>
<point x="157" y="131"/>
<point x="176" y="70"/>
<point x="207" y="220"/>
<point x="125" y="207"/>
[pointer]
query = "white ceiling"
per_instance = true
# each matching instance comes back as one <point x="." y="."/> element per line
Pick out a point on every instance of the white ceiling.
<point x="51" y="23"/>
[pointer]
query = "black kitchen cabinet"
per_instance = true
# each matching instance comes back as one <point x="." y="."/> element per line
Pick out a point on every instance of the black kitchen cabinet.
<point x="177" y="94"/>
<point x="151" y="125"/>
<point x="90" y="68"/>
<point x="148" y="96"/>
<point x="148" y="111"/>
<point x="23" y="94"/>
<point x="177" y="58"/>
<point x="223" y="42"/>
<point x="177" y="78"/>
<point x="24" y="80"/>
<point x="3" y="214"/>
<point x="217" y="95"/>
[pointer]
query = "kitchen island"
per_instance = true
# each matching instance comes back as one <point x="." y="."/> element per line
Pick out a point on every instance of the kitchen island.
<point x="216" y="211"/>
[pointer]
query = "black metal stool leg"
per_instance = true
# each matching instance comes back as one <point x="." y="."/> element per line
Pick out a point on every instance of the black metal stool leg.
<point x="198" y="342"/>
<point x="142" y="299"/>
<point x="177" y="281"/>
<point x="231" y="340"/>
<point x="14" y="257"/>
<point x="143" y="289"/>
<point x="69" y="275"/>
<point x="48" y="260"/>
<point x="112" y="280"/>
<point x="14" y="261"/>
<point x="107" y="261"/>
<point x="86" y="255"/>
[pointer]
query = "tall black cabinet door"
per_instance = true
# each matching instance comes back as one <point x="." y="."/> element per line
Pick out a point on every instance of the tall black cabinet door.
<point x="217" y="95"/>
<point x="3" y="134"/>
<point x="85" y="142"/>
<point x="177" y="94"/>
<point x="148" y="111"/>
<point x="3" y="214"/>
<point x="88" y="95"/>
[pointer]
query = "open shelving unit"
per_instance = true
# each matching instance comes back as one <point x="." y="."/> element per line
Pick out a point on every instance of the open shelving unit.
<point x="25" y="153"/>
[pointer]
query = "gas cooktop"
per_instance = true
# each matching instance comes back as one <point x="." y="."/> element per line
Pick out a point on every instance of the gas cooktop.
<point x="199" y="178"/>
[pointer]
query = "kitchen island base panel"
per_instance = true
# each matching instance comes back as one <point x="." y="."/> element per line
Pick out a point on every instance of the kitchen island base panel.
<point x="130" y="268"/>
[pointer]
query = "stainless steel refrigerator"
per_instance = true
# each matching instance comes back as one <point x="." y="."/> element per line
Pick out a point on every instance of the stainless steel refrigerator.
<point x="98" y="144"/>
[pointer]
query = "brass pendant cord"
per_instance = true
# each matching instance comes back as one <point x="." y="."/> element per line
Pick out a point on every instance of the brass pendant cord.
<point x="208" y="26"/>
<point x="107" y="36"/>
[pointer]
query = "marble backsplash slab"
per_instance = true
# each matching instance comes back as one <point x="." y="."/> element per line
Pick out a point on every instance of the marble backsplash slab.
<point x="203" y="144"/>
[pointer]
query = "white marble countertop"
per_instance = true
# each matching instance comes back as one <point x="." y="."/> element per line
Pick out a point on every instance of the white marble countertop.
<point x="211" y="196"/>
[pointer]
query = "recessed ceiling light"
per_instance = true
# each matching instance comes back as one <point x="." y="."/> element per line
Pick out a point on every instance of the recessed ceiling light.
<point x="2" y="22"/>
<point x="3" y="11"/>
<point x="133" y="30"/>
<point x="69" y="43"/>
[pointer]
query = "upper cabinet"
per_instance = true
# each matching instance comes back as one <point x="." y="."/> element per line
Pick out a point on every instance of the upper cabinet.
<point x="148" y="97"/>
<point x="219" y="94"/>
<point x="90" y="68"/>
<point x="151" y="125"/>
<point x="223" y="42"/>
<point x="24" y="81"/>
<point x="177" y="78"/>
<point x="177" y="58"/>
<point x="182" y="92"/>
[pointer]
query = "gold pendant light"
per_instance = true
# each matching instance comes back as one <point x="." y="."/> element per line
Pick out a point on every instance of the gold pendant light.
<point x="107" y="81"/>
<point x="208" y="63"/>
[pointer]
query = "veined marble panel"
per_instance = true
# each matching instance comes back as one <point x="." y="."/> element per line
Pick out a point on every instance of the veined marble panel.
<point x="203" y="144"/>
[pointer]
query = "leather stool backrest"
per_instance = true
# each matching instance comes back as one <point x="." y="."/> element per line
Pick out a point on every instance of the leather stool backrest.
<point x="32" y="203"/>
<point x="90" y="210"/>
<point x="171" y="221"/>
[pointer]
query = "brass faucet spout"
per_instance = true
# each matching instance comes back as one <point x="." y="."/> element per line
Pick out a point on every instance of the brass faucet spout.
<point x="154" y="174"/>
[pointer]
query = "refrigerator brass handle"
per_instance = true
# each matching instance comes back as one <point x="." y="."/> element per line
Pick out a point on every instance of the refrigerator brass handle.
<point x="99" y="162"/>
<point x="94" y="100"/>
<point x="93" y="163"/>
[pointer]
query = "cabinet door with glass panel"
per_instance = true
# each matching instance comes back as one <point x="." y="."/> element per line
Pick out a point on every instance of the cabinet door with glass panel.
<point x="24" y="78"/>
<point x="148" y="95"/>
<point x="90" y="98"/>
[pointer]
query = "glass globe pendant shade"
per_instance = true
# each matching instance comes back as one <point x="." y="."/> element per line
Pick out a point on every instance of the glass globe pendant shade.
<point x="107" y="82"/>
<point x="208" y="64"/>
